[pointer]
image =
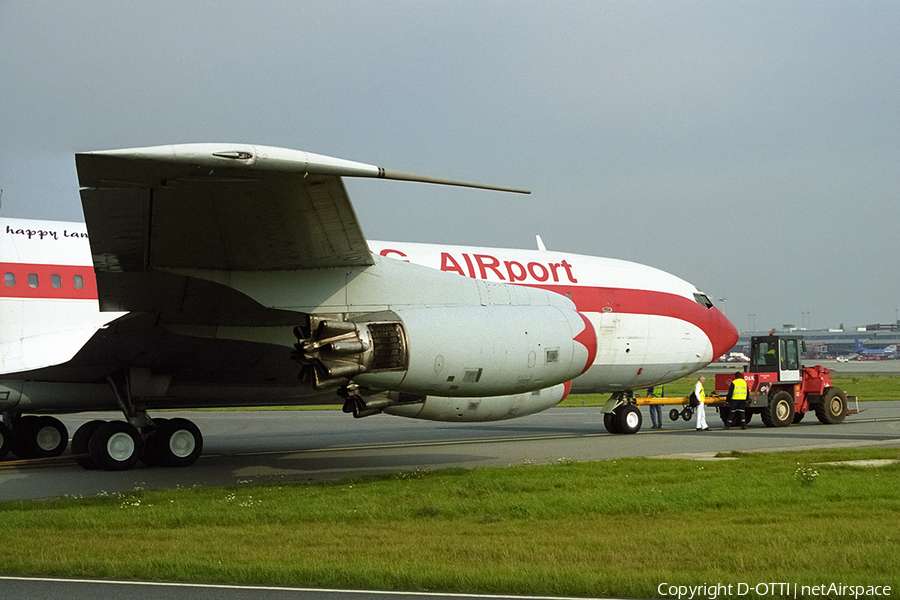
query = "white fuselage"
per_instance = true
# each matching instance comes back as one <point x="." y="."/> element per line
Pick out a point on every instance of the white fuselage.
<point x="651" y="326"/>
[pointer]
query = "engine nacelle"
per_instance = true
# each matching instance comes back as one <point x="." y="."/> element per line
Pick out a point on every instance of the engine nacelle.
<point x="449" y="351"/>
<point x="473" y="410"/>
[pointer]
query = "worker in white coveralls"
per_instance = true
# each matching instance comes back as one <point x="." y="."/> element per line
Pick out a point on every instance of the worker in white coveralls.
<point x="701" y="406"/>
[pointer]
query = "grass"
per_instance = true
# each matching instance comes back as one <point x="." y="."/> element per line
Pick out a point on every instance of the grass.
<point x="617" y="528"/>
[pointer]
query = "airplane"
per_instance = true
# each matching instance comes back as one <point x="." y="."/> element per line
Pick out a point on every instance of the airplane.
<point x="217" y="275"/>
<point x="887" y="352"/>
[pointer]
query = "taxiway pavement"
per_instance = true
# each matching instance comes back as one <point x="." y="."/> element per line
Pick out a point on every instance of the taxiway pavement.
<point x="277" y="447"/>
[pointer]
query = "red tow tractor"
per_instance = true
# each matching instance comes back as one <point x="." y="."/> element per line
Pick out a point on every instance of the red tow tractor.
<point x="781" y="390"/>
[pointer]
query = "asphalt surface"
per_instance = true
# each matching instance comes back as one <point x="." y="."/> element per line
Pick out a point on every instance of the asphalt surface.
<point x="276" y="447"/>
<point x="19" y="588"/>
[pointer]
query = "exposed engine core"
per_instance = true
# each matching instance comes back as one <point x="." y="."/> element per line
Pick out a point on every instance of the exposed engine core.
<point x="331" y="351"/>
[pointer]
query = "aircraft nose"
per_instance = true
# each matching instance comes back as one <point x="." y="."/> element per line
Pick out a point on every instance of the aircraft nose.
<point x="721" y="332"/>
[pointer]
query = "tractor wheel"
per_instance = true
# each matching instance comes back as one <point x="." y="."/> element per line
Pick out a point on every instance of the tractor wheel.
<point x="780" y="411"/>
<point x="833" y="407"/>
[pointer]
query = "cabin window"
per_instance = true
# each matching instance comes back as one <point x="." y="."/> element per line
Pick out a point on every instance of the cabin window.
<point x="790" y="358"/>
<point x="9" y="279"/>
<point x="32" y="280"/>
<point x="702" y="300"/>
<point x="762" y="357"/>
<point x="56" y="281"/>
<point x="79" y="282"/>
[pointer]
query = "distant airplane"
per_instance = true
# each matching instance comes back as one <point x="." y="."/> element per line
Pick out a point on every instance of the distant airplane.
<point x="889" y="351"/>
<point x="213" y="275"/>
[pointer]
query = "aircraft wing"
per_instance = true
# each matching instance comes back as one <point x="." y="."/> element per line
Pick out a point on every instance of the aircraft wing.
<point x="221" y="207"/>
<point x="224" y="207"/>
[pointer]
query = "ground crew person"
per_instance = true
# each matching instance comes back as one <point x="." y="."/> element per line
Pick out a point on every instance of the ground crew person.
<point x="736" y="401"/>
<point x="700" y="393"/>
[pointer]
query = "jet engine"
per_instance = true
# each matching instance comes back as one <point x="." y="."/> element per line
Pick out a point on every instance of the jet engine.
<point x="447" y="351"/>
<point x="472" y="410"/>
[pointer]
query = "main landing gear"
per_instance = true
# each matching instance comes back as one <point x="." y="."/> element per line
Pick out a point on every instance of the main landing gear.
<point x="109" y="445"/>
<point x="119" y="445"/>
<point x="105" y="445"/>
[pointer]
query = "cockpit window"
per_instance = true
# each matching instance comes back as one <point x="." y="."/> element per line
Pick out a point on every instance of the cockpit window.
<point x="702" y="300"/>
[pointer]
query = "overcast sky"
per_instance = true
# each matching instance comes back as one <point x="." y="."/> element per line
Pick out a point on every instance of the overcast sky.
<point x="751" y="148"/>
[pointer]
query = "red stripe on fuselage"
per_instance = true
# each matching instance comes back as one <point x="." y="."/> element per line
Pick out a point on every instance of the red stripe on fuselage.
<point x="630" y="301"/>
<point x="19" y="281"/>
<point x="721" y="333"/>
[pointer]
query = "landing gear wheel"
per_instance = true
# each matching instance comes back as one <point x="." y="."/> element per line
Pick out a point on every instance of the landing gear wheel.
<point x="175" y="443"/>
<point x="630" y="419"/>
<point x="39" y="437"/>
<point x="80" y="442"/>
<point x="611" y="421"/>
<point x="52" y="436"/>
<point x="780" y="412"/>
<point x="116" y="446"/>
<point x="149" y="456"/>
<point x="5" y="438"/>
<point x="833" y="408"/>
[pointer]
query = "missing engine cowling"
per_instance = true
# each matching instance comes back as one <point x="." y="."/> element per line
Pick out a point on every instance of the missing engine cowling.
<point x="332" y="349"/>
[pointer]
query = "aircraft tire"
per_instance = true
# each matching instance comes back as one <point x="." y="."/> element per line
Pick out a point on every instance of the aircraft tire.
<point x="39" y="437"/>
<point x="175" y="443"/>
<point x="780" y="411"/>
<point x="116" y="446"/>
<point x="80" y="442"/>
<point x="611" y="421"/>
<point x="149" y="456"/>
<point x="5" y="438"/>
<point x="833" y="408"/>
<point x="629" y="418"/>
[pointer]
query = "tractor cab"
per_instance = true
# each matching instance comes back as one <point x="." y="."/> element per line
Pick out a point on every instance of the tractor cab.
<point x="777" y="356"/>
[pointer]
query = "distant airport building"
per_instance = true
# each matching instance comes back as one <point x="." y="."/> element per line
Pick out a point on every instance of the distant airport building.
<point x="831" y="343"/>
